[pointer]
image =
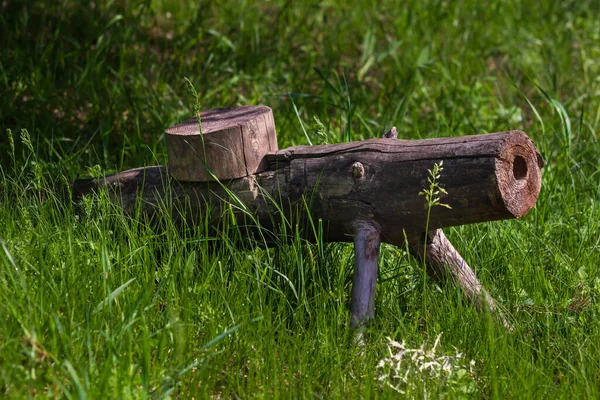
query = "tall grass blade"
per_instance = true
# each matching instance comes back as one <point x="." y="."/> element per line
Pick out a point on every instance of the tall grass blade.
<point x="113" y="295"/>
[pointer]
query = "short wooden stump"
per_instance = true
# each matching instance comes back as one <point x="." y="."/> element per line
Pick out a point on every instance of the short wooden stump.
<point x="233" y="144"/>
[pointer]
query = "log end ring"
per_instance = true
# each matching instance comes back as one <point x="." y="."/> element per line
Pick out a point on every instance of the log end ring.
<point x="518" y="173"/>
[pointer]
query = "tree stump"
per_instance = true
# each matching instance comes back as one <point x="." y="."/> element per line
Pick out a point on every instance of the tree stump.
<point x="233" y="144"/>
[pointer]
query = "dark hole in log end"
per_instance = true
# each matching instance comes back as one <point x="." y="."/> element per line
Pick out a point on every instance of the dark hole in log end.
<point x="519" y="168"/>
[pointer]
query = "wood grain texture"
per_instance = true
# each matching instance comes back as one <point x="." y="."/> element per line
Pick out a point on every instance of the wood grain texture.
<point x="233" y="144"/>
<point x="478" y="175"/>
<point x="488" y="177"/>
<point x="366" y="254"/>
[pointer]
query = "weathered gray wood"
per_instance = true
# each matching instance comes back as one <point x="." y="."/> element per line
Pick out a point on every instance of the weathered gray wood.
<point x="488" y="177"/>
<point x="478" y="175"/>
<point x="233" y="144"/>
<point x="443" y="262"/>
<point x="366" y="252"/>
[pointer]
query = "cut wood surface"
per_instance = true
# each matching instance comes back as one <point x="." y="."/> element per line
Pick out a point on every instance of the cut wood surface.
<point x="487" y="177"/>
<point x="233" y="144"/>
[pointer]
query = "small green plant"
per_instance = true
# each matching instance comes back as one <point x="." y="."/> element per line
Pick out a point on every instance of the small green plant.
<point x="432" y="197"/>
<point x="26" y="140"/>
<point x="95" y="171"/>
<point x="11" y="144"/>
<point x="36" y="165"/>
<point x="197" y="107"/>
<point x="322" y="132"/>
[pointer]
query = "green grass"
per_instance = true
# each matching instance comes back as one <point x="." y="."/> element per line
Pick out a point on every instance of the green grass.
<point x="95" y="303"/>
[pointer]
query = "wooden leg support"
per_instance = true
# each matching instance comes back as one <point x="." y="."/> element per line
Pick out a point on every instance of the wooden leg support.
<point x="366" y="251"/>
<point x="444" y="262"/>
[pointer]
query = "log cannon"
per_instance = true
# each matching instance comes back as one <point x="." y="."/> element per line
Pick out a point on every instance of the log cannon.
<point x="365" y="192"/>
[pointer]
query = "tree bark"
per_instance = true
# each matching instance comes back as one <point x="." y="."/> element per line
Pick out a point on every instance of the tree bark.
<point x="487" y="177"/>
<point x="366" y="254"/>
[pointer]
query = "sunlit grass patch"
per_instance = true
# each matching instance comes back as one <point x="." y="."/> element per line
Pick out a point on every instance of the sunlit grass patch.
<point x="98" y="302"/>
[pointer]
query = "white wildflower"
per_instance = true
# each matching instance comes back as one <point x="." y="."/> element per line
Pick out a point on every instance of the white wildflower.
<point x="423" y="372"/>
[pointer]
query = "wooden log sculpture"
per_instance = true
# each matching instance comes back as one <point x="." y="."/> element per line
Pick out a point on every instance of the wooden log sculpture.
<point x="366" y="192"/>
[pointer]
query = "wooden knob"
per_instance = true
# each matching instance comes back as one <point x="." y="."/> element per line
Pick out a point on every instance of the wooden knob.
<point x="233" y="144"/>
